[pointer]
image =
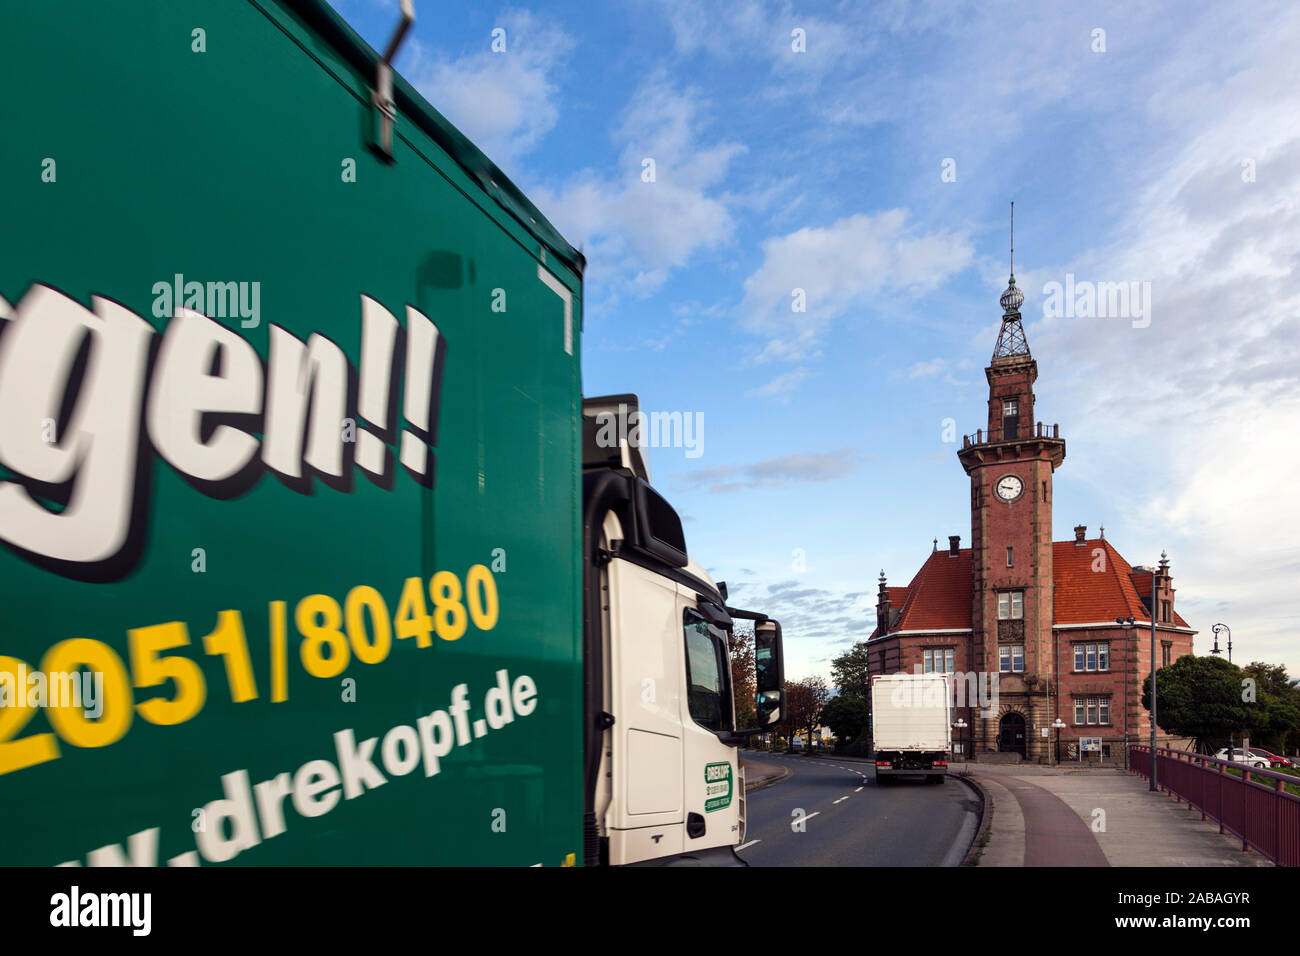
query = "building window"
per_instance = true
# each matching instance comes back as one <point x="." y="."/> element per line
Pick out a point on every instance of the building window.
<point x="1092" y="711"/>
<point x="1164" y="611"/>
<point x="1011" y="658"/>
<point x="940" y="660"/>
<point x="1166" y="652"/>
<point x="1010" y="552"/>
<point x="1010" y="407"/>
<point x="1011" y="605"/>
<point x="1092" y="657"/>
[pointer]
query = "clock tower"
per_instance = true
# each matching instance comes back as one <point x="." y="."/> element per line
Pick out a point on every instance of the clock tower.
<point x="1010" y="467"/>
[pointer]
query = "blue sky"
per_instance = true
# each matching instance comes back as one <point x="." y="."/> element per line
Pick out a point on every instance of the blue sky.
<point x="1164" y="150"/>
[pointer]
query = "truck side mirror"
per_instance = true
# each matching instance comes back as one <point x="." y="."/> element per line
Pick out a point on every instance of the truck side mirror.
<point x="769" y="672"/>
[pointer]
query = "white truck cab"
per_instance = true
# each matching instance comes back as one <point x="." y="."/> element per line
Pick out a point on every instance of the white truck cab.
<point x="664" y="781"/>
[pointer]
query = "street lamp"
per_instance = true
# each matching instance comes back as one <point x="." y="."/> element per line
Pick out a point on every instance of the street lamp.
<point x="1058" y="724"/>
<point x="1127" y="622"/>
<point x="1163" y="564"/>
<point x="1130" y="621"/>
<point x="961" y="725"/>
<point x="1154" y="695"/>
<point x="1217" y="650"/>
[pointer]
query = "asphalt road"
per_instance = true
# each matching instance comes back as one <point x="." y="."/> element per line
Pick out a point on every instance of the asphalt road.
<point x="845" y="819"/>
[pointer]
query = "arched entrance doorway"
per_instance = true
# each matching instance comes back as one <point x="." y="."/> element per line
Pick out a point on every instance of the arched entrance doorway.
<point x="1011" y="733"/>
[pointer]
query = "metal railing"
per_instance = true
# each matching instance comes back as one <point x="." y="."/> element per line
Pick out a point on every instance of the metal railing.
<point x="1039" y="431"/>
<point x="1255" y="806"/>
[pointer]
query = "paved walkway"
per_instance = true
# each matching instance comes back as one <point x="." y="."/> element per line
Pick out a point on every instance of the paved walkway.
<point x="760" y="773"/>
<point x="1050" y="817"/>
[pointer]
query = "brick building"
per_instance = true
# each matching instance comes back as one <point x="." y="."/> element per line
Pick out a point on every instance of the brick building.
<point x="1040" y="614"/>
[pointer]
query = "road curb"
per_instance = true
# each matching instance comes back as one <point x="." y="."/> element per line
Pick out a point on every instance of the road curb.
<point x="765" y="782"/>
<point x="986" y="818"/>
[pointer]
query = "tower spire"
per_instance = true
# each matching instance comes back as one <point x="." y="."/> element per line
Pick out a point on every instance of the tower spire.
<point x="1011" y="337"/>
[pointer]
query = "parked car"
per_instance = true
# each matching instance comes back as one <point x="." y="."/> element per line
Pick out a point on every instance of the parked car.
<point x="1244" y="756"/>
<point x="1274" y="759"/>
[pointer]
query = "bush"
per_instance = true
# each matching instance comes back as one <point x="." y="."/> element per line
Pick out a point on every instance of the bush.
<point x="858" y="748"/>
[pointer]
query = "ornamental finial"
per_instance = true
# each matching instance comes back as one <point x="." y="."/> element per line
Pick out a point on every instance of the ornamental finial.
<point x="1013" y="298"/>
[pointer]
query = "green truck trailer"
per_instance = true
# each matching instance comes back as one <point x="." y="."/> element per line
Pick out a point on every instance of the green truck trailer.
<point x="313" y="552"/>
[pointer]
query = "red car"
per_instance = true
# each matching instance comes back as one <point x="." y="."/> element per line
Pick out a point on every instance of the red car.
<point x="1273" y="759"/>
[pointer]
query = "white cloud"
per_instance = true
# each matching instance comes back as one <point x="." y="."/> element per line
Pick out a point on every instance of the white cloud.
<point x="925" y="369"/>
<point x="761" y="30"/>
<point x="839" y="268"/>
<point x="636" y="232"/>
<point x="504" y="102"/>
<point x="779" y="472"/>
<point x="781" y="386"/>
<point x="1189" y="424"/>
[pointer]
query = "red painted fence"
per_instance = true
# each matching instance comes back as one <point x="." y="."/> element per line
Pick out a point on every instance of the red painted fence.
<point x="1255" y="806"/>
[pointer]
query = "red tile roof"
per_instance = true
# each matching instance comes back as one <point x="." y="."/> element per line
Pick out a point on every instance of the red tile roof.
<point x="1089" y="588"/>
<point x="939" y="597"/>
<point x="897" y="596"/>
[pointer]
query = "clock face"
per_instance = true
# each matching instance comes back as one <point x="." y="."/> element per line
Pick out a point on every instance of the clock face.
<point x="1009" y="487"/>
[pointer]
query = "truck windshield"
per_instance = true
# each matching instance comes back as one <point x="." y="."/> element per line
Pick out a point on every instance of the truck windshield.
<point x="706" y="670"/>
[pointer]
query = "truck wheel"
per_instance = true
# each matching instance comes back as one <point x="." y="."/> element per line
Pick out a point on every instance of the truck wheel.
<point x="941" y="780"/>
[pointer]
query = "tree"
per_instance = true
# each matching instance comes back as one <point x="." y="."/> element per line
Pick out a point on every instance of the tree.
<point x="1207" y="698"/>
<point x="805" y="700"/>
<point x="1283" y="732"/>
<point x="849" y="672"/>
<point x="744" y="683"/>
<point x="847" y="717"/>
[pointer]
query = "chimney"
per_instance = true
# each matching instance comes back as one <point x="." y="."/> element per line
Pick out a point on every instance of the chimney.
<point x="1164" y="587"/>
<point x="954" y="545"/>
<point x="1080" y="533"/>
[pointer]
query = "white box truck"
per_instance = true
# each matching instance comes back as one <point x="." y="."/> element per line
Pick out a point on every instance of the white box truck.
<point x="911" y="726"/>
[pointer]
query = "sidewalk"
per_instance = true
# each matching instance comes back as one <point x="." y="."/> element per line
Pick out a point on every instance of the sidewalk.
<point x="1044" y="816"/>
<point x="761" y="773"/>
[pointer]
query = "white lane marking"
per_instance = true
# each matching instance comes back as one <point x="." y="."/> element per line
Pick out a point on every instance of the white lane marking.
<point x="750" y="843"/>
<point x="856" y="791"/>
<point x="841" y="799"/>
<point x="815" y="813"/>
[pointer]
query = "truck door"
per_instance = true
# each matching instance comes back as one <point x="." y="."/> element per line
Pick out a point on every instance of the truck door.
<point x="644" y="815"/>
<point x="711" y="770"/>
